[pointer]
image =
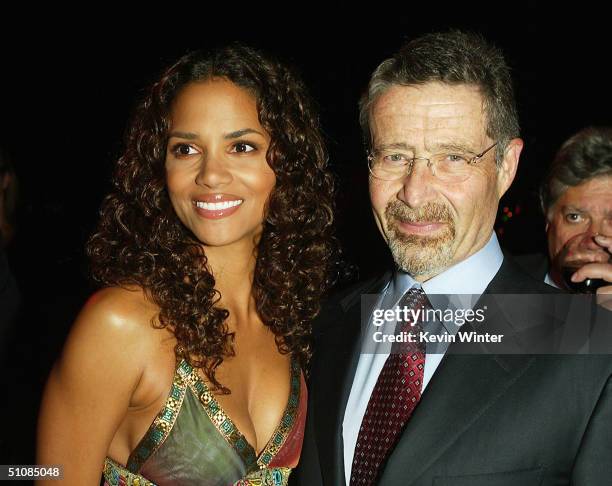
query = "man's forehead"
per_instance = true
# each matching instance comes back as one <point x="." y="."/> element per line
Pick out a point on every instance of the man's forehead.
<point x="435" y="109"/>
<point x="431" y="99"/>
<point x="593" y="195"/>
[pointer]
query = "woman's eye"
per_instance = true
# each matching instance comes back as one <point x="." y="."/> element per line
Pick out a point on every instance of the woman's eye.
<point x="242" y="147"/>
<point x="183" y="149"/>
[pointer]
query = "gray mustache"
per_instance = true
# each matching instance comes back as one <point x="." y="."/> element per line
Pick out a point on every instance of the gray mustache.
<point x="428" y="212"/>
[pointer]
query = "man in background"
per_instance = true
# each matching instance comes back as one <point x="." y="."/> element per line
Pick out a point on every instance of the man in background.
<point x="576" y="199"/>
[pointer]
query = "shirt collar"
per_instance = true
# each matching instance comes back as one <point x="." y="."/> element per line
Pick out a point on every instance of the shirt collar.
<point x="548" y="280"/>
<point x="469" y="276"/>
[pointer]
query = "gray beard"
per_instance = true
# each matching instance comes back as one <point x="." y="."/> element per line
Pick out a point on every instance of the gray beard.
<point x="420" y="255"/>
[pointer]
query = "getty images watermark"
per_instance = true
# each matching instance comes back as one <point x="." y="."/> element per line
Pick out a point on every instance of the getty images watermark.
<point x="490" y="324"/>
<point x="424" y="315"/>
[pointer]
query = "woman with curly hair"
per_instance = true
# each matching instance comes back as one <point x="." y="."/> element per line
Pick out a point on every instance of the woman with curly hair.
<point x="213" y="250"/>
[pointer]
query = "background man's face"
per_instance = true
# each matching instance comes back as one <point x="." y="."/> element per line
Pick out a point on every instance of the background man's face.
<point x="430" y="225"/>
<point x="585" y="210"/>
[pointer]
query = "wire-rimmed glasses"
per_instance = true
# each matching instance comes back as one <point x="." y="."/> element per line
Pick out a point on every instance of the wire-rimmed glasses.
<point x="391" y="164"/>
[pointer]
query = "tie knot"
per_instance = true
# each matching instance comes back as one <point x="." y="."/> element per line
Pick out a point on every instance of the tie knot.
<point x="413" y="298"/>
<point x="413" y="306"/>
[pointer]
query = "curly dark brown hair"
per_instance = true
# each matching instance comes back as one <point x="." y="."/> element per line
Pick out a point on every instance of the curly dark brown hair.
<point x="141" y="241"/>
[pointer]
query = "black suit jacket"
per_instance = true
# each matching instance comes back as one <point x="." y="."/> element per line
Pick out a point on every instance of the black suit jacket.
<point x="482" y="420"/>
<point x="535" y="264"/>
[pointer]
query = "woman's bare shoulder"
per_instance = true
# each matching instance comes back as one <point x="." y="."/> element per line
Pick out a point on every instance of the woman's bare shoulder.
<point x="115" y="325"/>
<point x="92" y="385"/>
<point x="122" y="311"/>
<point x="124" y="305"/>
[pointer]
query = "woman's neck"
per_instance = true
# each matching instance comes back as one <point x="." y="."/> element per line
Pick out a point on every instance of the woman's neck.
<point x="233" y="268"/>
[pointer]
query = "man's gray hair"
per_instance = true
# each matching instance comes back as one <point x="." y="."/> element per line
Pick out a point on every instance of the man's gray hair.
<point x="454" y="58"/>
<point x="584" y="156"/>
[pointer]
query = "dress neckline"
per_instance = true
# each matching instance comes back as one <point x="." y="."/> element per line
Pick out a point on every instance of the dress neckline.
<point x="228" y="429"/>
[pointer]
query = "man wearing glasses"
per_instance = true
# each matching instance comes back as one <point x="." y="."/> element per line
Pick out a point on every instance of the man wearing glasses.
<point x="440" y="123"/>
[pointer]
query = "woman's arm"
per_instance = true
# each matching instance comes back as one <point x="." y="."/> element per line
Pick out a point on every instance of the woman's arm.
<point x="89" y="389"/>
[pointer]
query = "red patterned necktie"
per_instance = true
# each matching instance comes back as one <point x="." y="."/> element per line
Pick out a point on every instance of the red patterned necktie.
<point x="395" y="395"/>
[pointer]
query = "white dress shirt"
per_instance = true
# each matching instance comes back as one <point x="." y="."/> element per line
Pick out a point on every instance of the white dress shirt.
<point x="548" y="280"/>
<point x="469" y="277"/>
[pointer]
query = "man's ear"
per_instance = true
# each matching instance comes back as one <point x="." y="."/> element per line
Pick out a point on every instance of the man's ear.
<point x="507" y="170"/>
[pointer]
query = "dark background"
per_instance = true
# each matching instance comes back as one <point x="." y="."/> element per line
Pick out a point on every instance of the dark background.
<point x="66" y="92"/>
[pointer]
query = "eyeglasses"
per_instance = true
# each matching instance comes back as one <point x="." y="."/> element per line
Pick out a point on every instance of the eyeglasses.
<point x="390" y="165"/>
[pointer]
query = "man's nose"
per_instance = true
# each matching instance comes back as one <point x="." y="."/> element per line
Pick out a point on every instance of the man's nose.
<point x="213" y="172"/>
<point x="417" y="183"/>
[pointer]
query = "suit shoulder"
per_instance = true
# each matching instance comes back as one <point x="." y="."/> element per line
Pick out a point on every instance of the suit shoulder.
<point x="351" y="295"/>
<point x="535" y="264"/>
<point x="512" y="279"/>
<point x="338" y="303"/>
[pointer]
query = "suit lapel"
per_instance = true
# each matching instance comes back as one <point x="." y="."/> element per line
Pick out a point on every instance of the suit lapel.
<point x="337" y="360"/>
<point x="460" y="391"/>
